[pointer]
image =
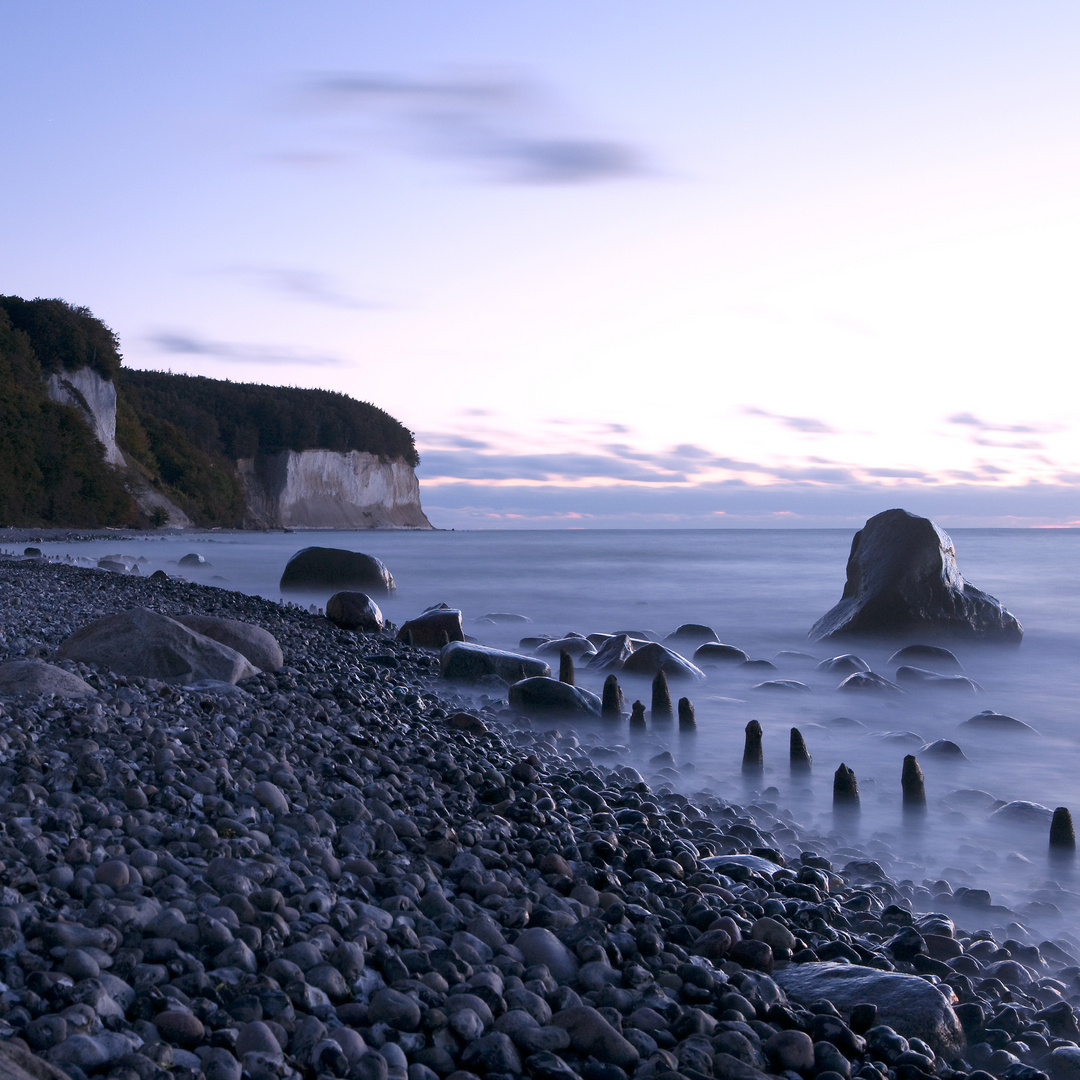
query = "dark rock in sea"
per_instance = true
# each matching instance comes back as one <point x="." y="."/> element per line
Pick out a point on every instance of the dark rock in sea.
<point x="336" y="568"/>
<point x="191" y="559"/>
<point x="355" y="611"/>
<point x="846" y="664"/>
<point x="868" y="682"/>
<point x="462" y="661"/>
<point x="902" y="578"/>
<point x="613" y="653"/>
<point x="908" y="1004"/>
<point x="143" y="643"/>
<point x="988" y="720"/>
<point x="502" y="617"/>
<point x="783" y="686"/>
<point x="576" y="646"/>
<point x="637" y="716"/>
<point x="945" y="749"/>
<point x="916" y="676"/>
<point x="926" y="654"/>
<point x="689" y="635"/>
<point x="654" y="657"/>
<point x="717" y="654"/>
<point x="433" y="628"/>
<point x="1023" y="812"/>
<point x="541" y="697"/>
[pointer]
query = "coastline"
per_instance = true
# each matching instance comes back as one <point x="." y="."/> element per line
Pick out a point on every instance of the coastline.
<point x="399" y="867"/>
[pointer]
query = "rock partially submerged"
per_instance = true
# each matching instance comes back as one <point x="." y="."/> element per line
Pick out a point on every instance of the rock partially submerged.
<point x="336" y="568"/>
<point x="542" y="696"/>
<point x="902" y="579"/>
<point x="462" y="661"/>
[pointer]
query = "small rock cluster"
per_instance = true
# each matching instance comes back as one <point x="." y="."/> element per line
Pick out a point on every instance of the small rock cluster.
<point x="332" y="870"/>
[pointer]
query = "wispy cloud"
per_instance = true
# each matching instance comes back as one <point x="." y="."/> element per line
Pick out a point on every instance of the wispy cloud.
<point x="187" y="344"/>
<point x="966" y="419"/>
<point x="309" y="286"/>
<point x="509" y="127"/>
<point x="806" y="424"/>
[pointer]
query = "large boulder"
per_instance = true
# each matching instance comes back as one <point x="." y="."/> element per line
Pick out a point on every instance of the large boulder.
<point x="908" y="1004"/>
<point x="543" y="697"/>
<point x="36" y="678"/>
<point x="434" y="628"/>
<point x="462" y="661"/>
<point x="902" y="579"/>
<point x="336" y="568"/>
<point x="651" y="659"/>
<point x="355" y="611"/>
<point x="257" y="644"/>
<point x="142" y="642"/>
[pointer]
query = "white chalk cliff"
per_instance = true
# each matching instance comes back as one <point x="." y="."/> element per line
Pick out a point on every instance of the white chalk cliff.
<point x="324" y="489"/>
<point x="95" y="398"/>
<point x="308" y="489"/>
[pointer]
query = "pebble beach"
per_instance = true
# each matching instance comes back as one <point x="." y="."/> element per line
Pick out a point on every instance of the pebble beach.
<point x="348" y="868"/>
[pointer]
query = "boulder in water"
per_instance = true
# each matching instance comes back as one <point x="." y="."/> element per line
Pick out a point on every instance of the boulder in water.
<point x="355" y="611"/>
<point x="462" y="661"/>
<point x="653" y="658"/>
<point x="434" y="628"/>
<point x="988" y="720"/>
<point x="715" y="653"/>
<point x="543" y="696"/>
<point x="336" y="568"/>
<point x="142" y="642"/>
<point x="902" y="578"/>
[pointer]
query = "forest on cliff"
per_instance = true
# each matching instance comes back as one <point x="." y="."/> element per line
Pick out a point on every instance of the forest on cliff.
<point x="183" y="433"/>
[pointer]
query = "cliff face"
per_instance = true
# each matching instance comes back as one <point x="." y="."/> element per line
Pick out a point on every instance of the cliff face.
<point x="95" y="397"/>
<point x="325" y="489"/>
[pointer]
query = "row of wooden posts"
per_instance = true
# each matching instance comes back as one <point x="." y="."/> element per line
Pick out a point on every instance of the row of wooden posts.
<point x="845" y="784"/>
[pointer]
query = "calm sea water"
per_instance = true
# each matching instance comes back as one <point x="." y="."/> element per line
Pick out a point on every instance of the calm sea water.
<point x="762" y="590"/>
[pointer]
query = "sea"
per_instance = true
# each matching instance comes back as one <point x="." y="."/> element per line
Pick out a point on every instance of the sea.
<point x="989" y="805"/>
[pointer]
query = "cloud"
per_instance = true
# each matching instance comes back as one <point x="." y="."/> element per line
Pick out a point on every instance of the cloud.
<point x="306" y="285"/>
<point x="184" y="344"/>
<point x="966" y="419"/>
<point x="806" y="424"/>
<point x="466" y="466"/>
<point x="507" y="126"/>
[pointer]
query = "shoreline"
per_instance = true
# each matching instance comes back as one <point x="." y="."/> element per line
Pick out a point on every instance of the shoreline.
<point x="398" y="868"/>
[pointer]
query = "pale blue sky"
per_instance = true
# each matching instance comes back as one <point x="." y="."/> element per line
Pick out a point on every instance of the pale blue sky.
<point x="615" y="263"/>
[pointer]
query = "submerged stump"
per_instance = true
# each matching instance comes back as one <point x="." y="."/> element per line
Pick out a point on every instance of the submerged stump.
<point x="637" y="716"/>
<point x="687" y="719"/>
<point x="845" y="789"/>
<point x="800" y="756"/>
<point x="613" y="703"/>
<point x="662" y="712"/>
<point x="1062" y="834"/>
<point x="752" y="759"/>
<point x="566" y="667"/>
<point x="914" y="786"/>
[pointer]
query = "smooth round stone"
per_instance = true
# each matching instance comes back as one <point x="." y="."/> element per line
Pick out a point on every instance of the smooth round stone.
<point x="467" y="1024"/>
<point x="179" y="1026"/>
<point x="80" y="965"/>
<point x="394" y="1008"/>
<point x="271" y="796"/>
<point x="792" y="1050"/>
<point x="256" y="1037"/>
<point x="219" y="1064"/>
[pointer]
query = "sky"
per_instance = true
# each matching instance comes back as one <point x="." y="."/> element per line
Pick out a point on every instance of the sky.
<point x="757" y="263"/>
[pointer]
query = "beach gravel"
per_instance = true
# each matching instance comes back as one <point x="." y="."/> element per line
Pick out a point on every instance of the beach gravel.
<point x="346" y="867"/>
